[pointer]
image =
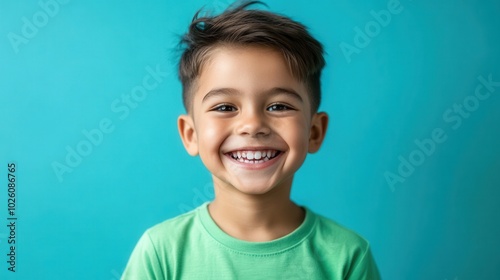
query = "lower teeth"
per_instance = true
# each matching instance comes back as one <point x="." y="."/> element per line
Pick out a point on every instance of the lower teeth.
<point x="252" y="160"/>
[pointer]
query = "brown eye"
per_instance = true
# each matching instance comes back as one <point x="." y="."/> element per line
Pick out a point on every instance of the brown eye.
<point x="225" y="108"/>
<point x="278" y="107"/>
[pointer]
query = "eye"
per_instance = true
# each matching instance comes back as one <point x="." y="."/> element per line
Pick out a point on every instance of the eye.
<point x="279" y="107"/>
<point x="224" y="108"/>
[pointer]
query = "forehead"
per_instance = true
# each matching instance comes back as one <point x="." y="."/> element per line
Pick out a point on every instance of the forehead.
<point x="248" y="69"/>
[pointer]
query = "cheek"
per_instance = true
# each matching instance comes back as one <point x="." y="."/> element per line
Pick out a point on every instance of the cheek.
<point x="211" y="135"/>
<point x="297" y="137"/>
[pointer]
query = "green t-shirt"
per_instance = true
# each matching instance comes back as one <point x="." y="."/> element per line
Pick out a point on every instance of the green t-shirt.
<point x="191" y="246"/>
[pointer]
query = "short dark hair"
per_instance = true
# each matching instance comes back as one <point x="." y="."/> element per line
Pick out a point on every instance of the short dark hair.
<point x="238" y="25"/>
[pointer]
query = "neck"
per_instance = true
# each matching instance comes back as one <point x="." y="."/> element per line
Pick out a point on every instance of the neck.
<point x="260" y="218"/>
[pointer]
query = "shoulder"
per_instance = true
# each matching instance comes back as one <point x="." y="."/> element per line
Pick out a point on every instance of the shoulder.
<point x="152" y="254"/>
<point x="344" y="249"/>
<point x="174" y="229"/>
<point x="179" y="222"/>
<point x="331" y="234"/>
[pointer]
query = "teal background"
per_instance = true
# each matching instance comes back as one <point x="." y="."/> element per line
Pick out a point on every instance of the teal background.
<point x="441" y="222"/>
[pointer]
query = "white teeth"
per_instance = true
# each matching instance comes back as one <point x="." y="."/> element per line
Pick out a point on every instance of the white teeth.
<point x="254" y="156"/>
<point x="250" y="155"/>
<point x="257" y="155"/>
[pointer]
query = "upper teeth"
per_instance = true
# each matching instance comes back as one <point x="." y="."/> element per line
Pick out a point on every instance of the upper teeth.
<point x="257" y="155"/>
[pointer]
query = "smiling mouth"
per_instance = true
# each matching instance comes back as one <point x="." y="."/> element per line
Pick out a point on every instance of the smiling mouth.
<point x="254" y="156"/>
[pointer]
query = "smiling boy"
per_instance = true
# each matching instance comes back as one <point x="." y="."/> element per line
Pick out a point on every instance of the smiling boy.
<point x="251" y="89"/>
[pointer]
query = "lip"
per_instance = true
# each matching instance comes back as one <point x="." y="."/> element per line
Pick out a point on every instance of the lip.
<point x="253" y="148"/>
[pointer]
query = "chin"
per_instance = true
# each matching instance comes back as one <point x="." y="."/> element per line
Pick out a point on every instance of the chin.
<point x="255" y="188"/>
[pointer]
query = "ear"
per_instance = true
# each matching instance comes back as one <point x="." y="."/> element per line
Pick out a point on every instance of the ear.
<point x="319" y="124"/>
<point x="188" y="135"/>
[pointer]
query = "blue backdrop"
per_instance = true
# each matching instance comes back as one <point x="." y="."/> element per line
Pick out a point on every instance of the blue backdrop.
<point x="88" y="105"/>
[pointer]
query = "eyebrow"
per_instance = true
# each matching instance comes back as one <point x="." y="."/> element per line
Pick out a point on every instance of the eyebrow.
<point x="274" y="91"/>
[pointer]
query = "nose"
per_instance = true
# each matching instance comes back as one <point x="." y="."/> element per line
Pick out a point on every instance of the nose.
<point x="253" y="123"/>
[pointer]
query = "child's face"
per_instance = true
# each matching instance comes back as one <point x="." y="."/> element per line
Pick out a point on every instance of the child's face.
<point x="251" y="121"/>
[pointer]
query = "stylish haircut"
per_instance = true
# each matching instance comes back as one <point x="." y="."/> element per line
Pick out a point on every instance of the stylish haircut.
<point x="240" y="26"/>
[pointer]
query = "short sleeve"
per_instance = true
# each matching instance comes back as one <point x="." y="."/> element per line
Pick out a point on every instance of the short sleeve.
<point x="365" y="268"/>
<point x="144" y="262"/>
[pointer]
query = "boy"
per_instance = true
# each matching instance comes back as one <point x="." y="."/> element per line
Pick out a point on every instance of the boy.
<point x="251" y="89"/>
